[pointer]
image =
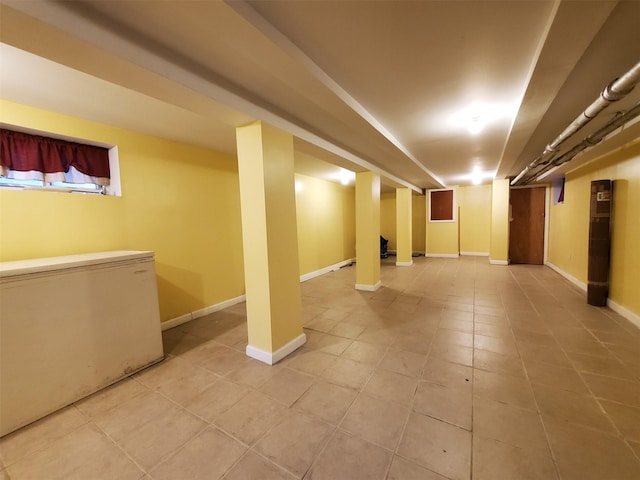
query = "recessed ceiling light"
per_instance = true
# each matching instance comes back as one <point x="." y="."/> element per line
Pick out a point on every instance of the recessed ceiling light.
<point x="478" y="115"/>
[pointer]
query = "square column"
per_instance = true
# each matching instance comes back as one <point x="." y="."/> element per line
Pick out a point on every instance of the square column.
<point x="367" y="231"/>
<point x="499" y="246"/>
<point x="404" y="228"/>
<point x="270" y="242"/>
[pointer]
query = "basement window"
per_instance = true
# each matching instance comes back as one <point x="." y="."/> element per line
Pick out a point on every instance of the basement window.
<point x="32" y="159"/>
<point x="442" y="205"/>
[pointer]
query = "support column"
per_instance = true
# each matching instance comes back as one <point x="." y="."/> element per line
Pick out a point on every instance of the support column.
<point x="404" y="228"/>
<point x="499" y="248"/>
<point x="367" y="231"/>
<point x="270" y="242"/>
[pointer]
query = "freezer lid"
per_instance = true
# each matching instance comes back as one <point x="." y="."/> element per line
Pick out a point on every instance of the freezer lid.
<point x="37" y="265"/>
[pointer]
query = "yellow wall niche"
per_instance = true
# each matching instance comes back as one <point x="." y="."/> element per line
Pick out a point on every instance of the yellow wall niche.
<point x="326" y="214"/>
<point x="569" y="224"/>
<point x="180" y="201"/>
<point x="388" y="220"/>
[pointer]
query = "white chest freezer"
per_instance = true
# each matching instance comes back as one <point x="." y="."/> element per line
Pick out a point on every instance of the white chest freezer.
<point x="72" y="325"/>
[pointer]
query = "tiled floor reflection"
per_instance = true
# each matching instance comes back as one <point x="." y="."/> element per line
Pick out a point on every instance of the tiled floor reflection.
<point x="454" y="369"/>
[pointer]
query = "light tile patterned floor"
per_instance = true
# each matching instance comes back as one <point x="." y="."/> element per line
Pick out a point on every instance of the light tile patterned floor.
<point x="455" y="369"/>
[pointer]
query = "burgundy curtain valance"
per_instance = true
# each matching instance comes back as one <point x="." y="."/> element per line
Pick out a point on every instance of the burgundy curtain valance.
<point x="23" y="152"/>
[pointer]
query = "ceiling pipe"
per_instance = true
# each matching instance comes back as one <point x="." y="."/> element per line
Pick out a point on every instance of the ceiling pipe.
<point x="591" y="141"/>
<point x="613" y="92"/>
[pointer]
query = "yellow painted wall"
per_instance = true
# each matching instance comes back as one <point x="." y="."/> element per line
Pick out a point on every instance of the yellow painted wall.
<point x="442" y="237"/>
<point x="388" y="220"/>
<point x="475" y="218"/>
<point x="180" y="201"/>
<point x="569" y="224"/>
<point x="499" y="245"/>
<point x="326" y="213"/>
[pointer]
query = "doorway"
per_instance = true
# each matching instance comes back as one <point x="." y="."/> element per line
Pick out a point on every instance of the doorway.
<point x="526" y="232"/>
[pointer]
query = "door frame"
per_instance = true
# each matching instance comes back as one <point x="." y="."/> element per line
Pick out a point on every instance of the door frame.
<point x="547" y="211"/>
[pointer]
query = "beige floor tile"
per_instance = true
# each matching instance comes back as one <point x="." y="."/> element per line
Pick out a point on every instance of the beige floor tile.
<point x="618" y="390"/>
<point x="295" y="442"/>
<point x="446" y="338"/>
<point x="465" y="326"/>
<point x="183" y="389"/>
<point x="453" y="354"/>
<point x="438" y="446"/>
<point x="608" y="366"/>
<point x="416" y="343"/>
<point x="571" y="407"/>
<point x="207" y="456"/>
<point x="493" y="311"/>
<point x="451" y="405"/>
<point x="155" y="440"/>
<point x="287" y="385"/>
<point x="376" y="336"/>
<point x="492" y="330"/>
<point x="557" y="377"/>
<point x="320" y="324"/>
<point x="312" y="362"/>
<point x="110" y="397"/>
<point x="176" y="342"/>
<point x="223" y="361"/>
<point x="503" y="388"/>
<point x="544" y="354"/>
<point x="251" y="417"/>
<point x="494" y="460"/>
<point x="491" y="319"/>
<point x="364" y="353"/>
<point x="347" y="330"/>
<point x="253" y="374"/>
<point x="253" y="466"/>
<point x="585" y="454"/>
<point x="392" y="387"/>
<point x="349" y="458"/>
<point x="327" y="401"/>
<point x="333" y="345"/>
<point x="502" y="345"/>
<point x="626" y="418"/>
<point x="402" y="469"/>
<point x="348" y="373"/>
<point x="405" y="363"/>
<point x="134" y="414"/>
<point x="83" y="454"/>
<point x="635" y="446"/>
<point x="40" y="434"/>
<point x="376" y="421"/>
<point x="505" y="423"/>
<point x="447" y="374"/>
<point x="498" y="363"/>
<point x="216" y="399"/>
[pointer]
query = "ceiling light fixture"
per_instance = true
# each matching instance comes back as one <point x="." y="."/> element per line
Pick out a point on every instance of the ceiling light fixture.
<point x="344" y="176"/>
<point x="478" y="115"/>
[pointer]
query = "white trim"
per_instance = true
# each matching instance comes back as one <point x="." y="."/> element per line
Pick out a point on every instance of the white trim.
<point x="624" y="312"/>
<point x="404" y="264"/>
<point x="498" y="262"/>
<point x="475" y="254"/>
<point x="368" y="288"/>
<point x="442" y="255"/>
<point x="581" y="285"/>
<point x="187" y="317"/>
<point x="271" y="358"/>
<point x="330" y="268"/>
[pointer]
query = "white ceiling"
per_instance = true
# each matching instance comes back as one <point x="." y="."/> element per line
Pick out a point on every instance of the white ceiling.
<point x="362" y="85"/>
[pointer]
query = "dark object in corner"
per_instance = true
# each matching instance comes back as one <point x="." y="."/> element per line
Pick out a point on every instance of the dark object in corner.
<point x="383" y="247"/>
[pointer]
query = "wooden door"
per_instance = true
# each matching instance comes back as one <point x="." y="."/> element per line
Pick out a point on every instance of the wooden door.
<point x="526" y="233"/>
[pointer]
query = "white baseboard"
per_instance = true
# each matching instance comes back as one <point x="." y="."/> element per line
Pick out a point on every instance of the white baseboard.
<point x="174" y="322"/>
<point x="475" y="254"/>
<point x="404" y="264"/>
<point x="624" y="312"/>
<point x="442" y="255"/>
<point x="616" y="307"/>
<point x="271" y="358"/>
<point x="322" y="271"/>
<point x="581" y="285"/>
<point x="368" y="288"/>
<point x="498" y="262"/>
